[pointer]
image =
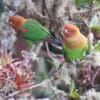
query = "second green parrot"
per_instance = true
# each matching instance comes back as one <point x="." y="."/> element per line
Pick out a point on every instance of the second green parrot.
<point x="74" y="43"/>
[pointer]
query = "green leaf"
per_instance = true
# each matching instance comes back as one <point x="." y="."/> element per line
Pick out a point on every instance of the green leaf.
<point x="75" y="95"/>
<point x="83" y="2"/>
<point x="90" y="43"/>
<point x="95" y="22"/>
<point x="97" y="46"/>
<point x="73" y="91"/>
<point x="97" y="3"/>
<point x="72" y="86"/>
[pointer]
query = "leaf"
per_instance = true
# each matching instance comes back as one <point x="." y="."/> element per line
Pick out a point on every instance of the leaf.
<point x="97" y="46"/>
<point x="75" y="95"/>
<point x="97" y="3"/>
<point x="90" y="42"/>
<point x="83" y="2"/>
<point x="73" y="91"/>
<point x="95" y="22"/>
<point x="72" y="87"/>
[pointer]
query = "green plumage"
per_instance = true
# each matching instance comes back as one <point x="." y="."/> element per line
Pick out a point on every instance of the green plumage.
<point x="71" y="54"/>
<point x="35" y="31"/>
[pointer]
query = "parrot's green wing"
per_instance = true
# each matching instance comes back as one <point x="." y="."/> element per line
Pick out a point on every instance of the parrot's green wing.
<point x="70" y="54"/>
<point x="35" y="31"/>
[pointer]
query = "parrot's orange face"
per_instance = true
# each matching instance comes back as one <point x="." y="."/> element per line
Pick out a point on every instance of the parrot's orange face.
<point x="16" y="21"/>
<point x="70" y="30"/>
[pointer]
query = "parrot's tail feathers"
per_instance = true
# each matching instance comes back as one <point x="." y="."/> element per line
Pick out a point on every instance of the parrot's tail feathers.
<point x="49" y="38"/>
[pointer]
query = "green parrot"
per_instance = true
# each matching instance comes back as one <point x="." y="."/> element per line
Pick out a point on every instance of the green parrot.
<point x="74" y="43"/>
<point x="30" y="29"/>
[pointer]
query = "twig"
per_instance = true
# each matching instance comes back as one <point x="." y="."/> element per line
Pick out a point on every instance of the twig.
<point x="21" y="91"/>
<point x="1" y="78"/>
<point x="48" y="51"/>
<point x="58" y="91"/>
<point x="32" y="86"/>
<point x="94" y="77"/>
<point x="37" y="49"/>
<point x="96" y="9"/>
<point x="40" y="16"/>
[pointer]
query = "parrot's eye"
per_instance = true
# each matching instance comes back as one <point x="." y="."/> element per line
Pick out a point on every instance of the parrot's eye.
<point x="14" y="22"/>
<point x="67" y="31"/>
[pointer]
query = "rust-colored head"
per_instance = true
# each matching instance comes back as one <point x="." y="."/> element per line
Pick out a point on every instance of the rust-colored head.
<point x="16" y="21"/>
<point x="71" y="30"/>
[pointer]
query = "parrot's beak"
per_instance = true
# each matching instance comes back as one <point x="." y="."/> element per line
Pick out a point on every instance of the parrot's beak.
<point x="10" y="23"/>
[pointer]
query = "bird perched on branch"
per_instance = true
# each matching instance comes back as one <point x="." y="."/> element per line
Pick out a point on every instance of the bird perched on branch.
<point x="30" y="29"/>
<point x="74" y="43"/>
<point x="29" y="32"/>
